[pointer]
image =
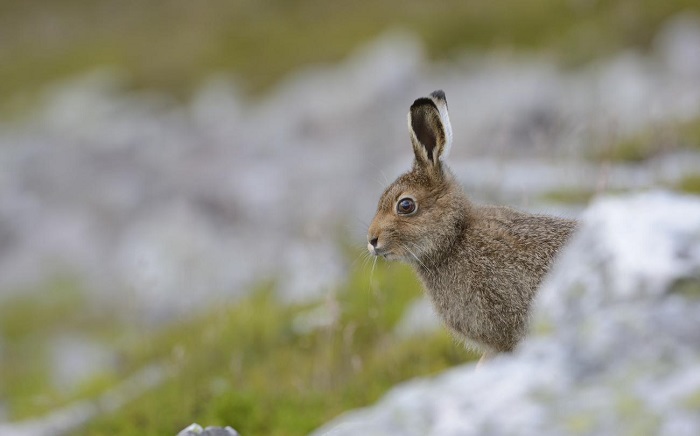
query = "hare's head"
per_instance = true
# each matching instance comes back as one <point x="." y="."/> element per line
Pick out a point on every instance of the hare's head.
<point x="423" y="209"/>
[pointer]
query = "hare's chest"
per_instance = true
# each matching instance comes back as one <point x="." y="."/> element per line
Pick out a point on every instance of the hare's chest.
<point x="458" y="309"/>
<point x="483" y="317"/>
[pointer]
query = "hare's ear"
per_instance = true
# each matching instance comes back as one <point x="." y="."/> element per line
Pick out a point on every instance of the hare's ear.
<point x="429" y="126"/>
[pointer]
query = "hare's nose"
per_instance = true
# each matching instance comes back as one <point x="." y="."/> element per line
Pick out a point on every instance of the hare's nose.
<point x="374" y="242"/>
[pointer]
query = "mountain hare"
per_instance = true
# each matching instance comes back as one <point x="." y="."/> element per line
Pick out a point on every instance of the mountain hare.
<point x="480" y="265"/>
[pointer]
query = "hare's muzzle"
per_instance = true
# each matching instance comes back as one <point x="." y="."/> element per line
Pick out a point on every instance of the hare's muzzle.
<point x="372" y="245"/>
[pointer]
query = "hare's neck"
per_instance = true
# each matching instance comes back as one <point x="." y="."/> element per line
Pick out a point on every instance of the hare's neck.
<point x="447" y="244"/>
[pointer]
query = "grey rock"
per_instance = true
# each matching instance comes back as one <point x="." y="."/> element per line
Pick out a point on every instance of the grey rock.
<point x="219" y="431"/>
<point x="615" y="345"/>
<point x="190" y="430"/>
<point x="197" y="430"/>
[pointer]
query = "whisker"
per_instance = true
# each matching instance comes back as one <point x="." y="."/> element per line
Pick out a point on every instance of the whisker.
<point x="380" y="171"/>
<point x="416" y="247"/>
<point x="361" y="221"/>
<point x="359" y="256"/>
<point x="414" y="255"/>
<point x="386" y="179"/>
<point x="369" y="257"/>
<point x="371" y="276"/>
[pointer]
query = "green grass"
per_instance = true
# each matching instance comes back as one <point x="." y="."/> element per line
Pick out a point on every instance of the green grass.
<point x="576" y="195"/>
<point x="690" y="184"/>
<point x="244" y="365"/>
<point x="568" y="196"/>
<point x="634" y="150"/>
<point x="653" y="141"/>
<point x="689" y="134"/>
<point x="171" y="45"/>
<point x="28" y="323"/>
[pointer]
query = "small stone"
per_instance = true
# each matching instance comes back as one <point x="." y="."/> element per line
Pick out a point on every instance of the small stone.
<point x="220" y="431"/>
<point x="190" y="430"/>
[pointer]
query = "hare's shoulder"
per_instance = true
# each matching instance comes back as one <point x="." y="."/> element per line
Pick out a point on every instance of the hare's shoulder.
<point x="519" y="245"/>
<point x="517" y="226"/>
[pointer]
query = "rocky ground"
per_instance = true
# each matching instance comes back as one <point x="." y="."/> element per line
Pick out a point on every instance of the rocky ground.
<point x="163" y="209"/>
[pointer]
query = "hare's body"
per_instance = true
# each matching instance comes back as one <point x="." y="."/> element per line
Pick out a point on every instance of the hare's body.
<point x="480" y="265"/>
<point x="483" y="284"/>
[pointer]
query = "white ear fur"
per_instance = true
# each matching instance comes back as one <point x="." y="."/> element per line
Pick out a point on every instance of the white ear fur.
<point x="441" y="102"/>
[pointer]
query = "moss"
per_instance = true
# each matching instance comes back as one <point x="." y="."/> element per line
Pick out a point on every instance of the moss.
<point x="582" y="423"/>
<point x="543" y="327"/>
<point x="628" y="406"/>
<point x="28" y="323"/>
<point x="690" y="184"/>
<point x="692" y="401"/>
<point x="637" y="419"/>
<point x="576" y="196"/>
<point x="568" y="196"/>
<point x="654" y="140"/>
<point x="33" y="310"/>
<point x="687" y="288"/>
<point x="634" y="150"/>
<point x="651" y="141"/>
<point x="690" y="134"/>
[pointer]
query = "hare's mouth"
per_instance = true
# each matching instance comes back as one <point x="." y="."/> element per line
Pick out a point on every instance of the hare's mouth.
<point x="381" y="251"/>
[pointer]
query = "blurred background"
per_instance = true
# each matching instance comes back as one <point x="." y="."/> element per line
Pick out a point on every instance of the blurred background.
<point x="185" y="187"/>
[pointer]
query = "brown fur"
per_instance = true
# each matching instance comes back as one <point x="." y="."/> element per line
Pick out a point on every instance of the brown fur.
<point x="480" y="265"/>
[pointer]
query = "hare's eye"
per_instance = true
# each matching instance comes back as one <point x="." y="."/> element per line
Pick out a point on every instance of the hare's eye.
<point x="406" y="206"/>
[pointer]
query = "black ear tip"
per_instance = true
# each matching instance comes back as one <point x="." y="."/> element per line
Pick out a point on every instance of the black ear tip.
<point x="439" y="95"/>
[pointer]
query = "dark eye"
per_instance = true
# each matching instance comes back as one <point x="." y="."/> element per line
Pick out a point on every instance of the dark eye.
<point x="406" y="206"/>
